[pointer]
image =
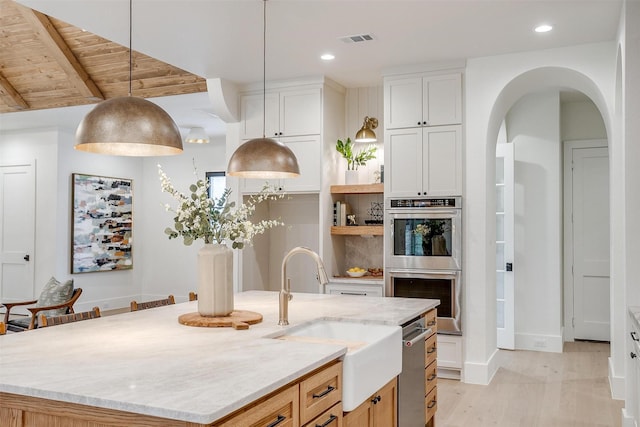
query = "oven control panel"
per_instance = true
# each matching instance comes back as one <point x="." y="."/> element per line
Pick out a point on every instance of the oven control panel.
<point x="448" y="202"/>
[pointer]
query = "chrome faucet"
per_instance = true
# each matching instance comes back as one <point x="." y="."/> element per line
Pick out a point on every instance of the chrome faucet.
<point x="285" y="289"/>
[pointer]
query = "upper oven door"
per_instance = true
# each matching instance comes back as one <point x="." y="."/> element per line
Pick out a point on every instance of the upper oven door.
<point x="424" y="239"/>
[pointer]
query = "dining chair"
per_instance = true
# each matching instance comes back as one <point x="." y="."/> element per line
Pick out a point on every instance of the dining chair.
<point x="56" y="298"/>
<point x="193" y="296"/>
<point x="45" y="321"/>
<point x="136" y="306"/>
<point x="3" y="328"/>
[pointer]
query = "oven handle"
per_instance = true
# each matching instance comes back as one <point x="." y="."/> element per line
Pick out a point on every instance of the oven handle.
<point x="413" y="211"/>
<point x="414" y="273"/>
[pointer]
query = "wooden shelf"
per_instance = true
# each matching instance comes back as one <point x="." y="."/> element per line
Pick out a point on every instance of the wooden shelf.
<point x="358" y="189"/>
<point x="357" y="230"/>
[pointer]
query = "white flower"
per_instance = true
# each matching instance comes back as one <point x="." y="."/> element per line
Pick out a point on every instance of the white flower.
<point x="215" y="220"/>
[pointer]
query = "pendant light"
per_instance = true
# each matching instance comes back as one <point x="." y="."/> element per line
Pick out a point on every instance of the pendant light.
<point x="197" y="135"/>
<point x="366" y="133"/>
<point x="128" y="125"/>
<point x="263" y="157"/>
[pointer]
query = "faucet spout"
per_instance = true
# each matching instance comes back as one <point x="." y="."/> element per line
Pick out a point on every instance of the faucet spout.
<point x="285" y="288"/>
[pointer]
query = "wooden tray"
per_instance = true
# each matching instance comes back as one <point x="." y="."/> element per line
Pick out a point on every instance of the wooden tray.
<point x="238" y="319"/>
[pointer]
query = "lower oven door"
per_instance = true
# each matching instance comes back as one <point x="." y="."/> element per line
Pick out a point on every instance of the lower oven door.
<point x="443" y="285"/>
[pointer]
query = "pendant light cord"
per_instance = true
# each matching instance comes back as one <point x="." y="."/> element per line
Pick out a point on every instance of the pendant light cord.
<point x="264" y="68"/>
<point x="130" y="51"/>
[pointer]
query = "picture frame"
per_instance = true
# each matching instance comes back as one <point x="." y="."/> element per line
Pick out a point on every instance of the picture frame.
<point x="101" y="223"/>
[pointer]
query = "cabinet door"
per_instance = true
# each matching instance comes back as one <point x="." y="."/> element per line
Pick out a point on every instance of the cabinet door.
<point x="309" y="154"/>
<point x="442" y="161"/>
<point x="442" y="97"/>
<point x="403" y="154"/>
<point x="251" y="118"/>
<point x="385" y="410"/>
<point x="403" y="102"/>
<point x="300" y="112"/>
<point x="362" y="416"/>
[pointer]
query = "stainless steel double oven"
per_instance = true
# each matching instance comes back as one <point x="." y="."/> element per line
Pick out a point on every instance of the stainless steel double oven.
<point x="423" y="254"/>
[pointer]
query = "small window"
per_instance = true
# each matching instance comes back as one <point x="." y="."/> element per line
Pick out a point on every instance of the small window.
<point x="217" y="184"/>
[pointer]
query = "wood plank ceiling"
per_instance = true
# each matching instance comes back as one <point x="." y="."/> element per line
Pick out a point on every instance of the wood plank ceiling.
<point x="47" y="63"/>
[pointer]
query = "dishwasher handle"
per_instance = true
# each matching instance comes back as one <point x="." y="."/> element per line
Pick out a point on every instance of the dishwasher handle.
<point x="420" y="337"/>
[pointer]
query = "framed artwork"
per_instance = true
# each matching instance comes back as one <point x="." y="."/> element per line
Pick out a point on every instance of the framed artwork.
<point x="102" y="214"/>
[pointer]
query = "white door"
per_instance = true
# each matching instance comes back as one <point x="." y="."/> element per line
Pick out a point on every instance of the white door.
<point x="505" y="294"/>
<point x="590" y="242"/>
<point x="17" y="232"/>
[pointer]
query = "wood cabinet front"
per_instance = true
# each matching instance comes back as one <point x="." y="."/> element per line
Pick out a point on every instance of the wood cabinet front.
<point x="380" y="410"/>
<point x="320" y="392"/>
<point x="281" y="410"/>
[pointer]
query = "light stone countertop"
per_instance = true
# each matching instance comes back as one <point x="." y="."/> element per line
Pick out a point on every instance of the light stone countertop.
<point x="146" y="362"/>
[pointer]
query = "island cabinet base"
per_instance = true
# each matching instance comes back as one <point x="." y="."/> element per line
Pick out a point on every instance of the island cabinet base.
<point x="380" y="410"/>
<point x="288" y="406"/>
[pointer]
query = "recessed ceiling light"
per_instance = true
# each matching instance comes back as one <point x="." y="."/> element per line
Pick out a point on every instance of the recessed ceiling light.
<point x="544" y="28"/>
<point x="327" y="57"/>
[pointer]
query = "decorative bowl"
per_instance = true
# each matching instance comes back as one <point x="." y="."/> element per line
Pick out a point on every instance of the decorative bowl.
<point x="356" y="273"/>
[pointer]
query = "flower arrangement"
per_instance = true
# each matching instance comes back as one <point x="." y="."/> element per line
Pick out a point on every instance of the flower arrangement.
<point x="355" y="159"/>
<point x="215" y="220"/>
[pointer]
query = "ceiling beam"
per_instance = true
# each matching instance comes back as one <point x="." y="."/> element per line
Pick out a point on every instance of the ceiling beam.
<point x="10" y="96"/>
<point x="61" y="52"/>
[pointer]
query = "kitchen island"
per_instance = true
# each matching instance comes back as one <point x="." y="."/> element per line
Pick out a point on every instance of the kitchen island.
<point x="147" y="363"/>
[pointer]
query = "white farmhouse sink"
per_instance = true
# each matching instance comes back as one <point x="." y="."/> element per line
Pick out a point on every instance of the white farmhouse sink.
<point x="373" y="358"/>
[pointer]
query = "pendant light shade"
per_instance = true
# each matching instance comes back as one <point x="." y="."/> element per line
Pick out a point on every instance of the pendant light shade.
<point x="128" y="126"/>
<point x="263" y="158"/>
<point x="366" y="133"/>
<point x="197" y="135"/>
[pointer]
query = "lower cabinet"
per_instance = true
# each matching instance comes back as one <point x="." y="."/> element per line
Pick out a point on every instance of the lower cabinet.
<point x="380" y="410"/>
<point x="313" y="400"/>
<point x="431" y="369"/>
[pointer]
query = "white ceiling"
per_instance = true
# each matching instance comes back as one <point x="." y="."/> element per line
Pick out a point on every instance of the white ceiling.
<point x="223" y="38"/>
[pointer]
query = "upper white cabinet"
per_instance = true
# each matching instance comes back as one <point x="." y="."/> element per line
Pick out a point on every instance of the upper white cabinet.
<point x="423" y="161"/>
<point x="308" y="151"/>
<point x="422" y="100"/>
<point x="289" y="113"/>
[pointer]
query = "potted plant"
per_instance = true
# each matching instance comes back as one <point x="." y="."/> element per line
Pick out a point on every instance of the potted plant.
<point x="354" y="159"/>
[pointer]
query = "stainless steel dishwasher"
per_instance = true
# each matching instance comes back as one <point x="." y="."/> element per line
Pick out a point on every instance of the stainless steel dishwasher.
<point x="411" y="382"/>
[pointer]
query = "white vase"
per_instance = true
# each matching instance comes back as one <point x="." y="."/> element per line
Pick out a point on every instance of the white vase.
<point x="215" y="280"/>
<point x="351" y="177"/>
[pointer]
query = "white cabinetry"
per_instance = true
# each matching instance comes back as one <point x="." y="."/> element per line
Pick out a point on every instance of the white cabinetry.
<point x="449" y="356"/>
<point x="357" y="289"/>
<point x="293" y="117"/>
<point x="288" y="113"/>
<point x="423" y="161"/>
<point x="422" y="100"/>
<point x="308" y="151"/>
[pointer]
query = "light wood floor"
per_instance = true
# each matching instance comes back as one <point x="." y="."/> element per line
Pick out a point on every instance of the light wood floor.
<point x="536" y="389"/>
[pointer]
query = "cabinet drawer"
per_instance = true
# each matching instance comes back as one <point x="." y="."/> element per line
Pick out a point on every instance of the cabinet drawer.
<point x="330" y="418"/>
<point x="431" y="376"/>
<point x="430" y="320"/>
<point x="281" y="408"/>
<point x="431" y="349"/>
<point x="320" y="391"/>
<point x="431" y="404"/>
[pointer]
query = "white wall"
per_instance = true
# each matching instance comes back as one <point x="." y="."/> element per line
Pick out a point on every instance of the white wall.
<point x="493" y="85"/>
<point x="580" y="121"/>
<point x="533" y="126"/>
<point x="169" y="266"/>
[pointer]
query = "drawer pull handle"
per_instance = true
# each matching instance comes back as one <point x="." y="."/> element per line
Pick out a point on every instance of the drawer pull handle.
<point x="361" y="294"/>
<point x="324" y="393"/>
<point x="432" y="377"/>
<point x="331" y="419"/>
<point x="431" y="350"/>
<point x="280" y="419"/>
<point x="432" y="404"/>
<point x="431" y="323"/>
<point x="634" y="336"/>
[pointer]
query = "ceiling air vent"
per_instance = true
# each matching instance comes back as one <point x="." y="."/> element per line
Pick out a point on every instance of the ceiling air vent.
<point x="357" y="38"/>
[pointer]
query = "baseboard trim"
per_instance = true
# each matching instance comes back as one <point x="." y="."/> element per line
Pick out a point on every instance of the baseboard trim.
<point x="616" y="383"/>
<point x="539" y="342"/>
<point x="482" y="373"/>
<point x="627" y="420"/>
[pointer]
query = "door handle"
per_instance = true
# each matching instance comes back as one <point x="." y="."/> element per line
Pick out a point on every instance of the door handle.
<point x="509" y="266"/>
<point x="26" y="257"/>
